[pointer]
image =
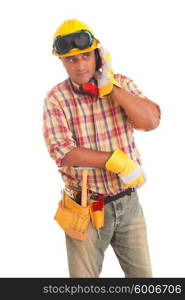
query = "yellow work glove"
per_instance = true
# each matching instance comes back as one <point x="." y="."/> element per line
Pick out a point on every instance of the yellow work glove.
<point x="129" y="170"/>
<point x="105" y="77"/>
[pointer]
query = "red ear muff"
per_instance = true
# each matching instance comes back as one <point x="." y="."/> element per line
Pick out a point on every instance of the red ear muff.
<point x="90" y="88"/>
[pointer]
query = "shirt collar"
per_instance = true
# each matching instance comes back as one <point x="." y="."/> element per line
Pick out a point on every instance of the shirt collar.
<point x="77" y="87"/>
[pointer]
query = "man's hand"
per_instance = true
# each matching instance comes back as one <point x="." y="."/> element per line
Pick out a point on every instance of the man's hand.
<point x="105" y="77"/>
<point x="129" y="170"/>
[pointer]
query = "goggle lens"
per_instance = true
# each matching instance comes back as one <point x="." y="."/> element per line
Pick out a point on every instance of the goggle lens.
<point x="61" y="45"/>
<point x="82" y="41"/>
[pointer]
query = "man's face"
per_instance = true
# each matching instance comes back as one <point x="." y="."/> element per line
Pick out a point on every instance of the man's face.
<point x="80" y="67"/>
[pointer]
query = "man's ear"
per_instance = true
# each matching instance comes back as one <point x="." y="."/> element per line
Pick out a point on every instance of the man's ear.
<point x="98" y="59"/>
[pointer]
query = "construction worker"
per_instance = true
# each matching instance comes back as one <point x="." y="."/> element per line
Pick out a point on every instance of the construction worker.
<point x="88" y="122"/>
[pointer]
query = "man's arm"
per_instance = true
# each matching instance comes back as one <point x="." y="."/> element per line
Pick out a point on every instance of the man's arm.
<point x="142" y="112"/>
<point x="117" y="162"/>
<point x="86" y="158"/>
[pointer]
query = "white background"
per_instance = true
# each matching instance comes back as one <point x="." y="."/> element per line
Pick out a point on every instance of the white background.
<point x="146" y="41"/>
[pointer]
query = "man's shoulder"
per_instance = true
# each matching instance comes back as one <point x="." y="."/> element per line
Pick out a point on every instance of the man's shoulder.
<point x="122" y="79"/>
<point x="59" y="88"/>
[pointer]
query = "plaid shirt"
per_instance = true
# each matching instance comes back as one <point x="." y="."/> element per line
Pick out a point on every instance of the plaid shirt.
<point x="74" y="120"/>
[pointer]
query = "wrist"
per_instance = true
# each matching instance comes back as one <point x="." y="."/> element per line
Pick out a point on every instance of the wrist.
<point x="116" y="163"/>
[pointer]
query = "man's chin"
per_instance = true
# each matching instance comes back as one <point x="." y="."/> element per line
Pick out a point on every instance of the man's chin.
<point x="82" y="80"/>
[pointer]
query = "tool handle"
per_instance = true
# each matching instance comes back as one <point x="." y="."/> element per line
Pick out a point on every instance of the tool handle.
<point x="84" y="188"/>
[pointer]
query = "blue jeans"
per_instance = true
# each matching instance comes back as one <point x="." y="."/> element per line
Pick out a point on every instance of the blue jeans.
<point x="124" y="230"/>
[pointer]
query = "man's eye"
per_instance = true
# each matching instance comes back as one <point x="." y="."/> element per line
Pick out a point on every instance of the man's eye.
<point x="70" y="59"/>
<point x="86" y="54"/>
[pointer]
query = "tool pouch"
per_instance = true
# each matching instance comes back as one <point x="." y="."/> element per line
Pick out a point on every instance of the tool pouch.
<point x="72" y="217"/>
<point x="97" y="213"/>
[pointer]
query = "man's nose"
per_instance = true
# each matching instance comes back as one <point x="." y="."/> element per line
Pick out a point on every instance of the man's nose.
<point x="81" y="65"/>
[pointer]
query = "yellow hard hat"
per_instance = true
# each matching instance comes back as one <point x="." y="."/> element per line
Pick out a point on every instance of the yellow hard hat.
<point x="71" y="26"/>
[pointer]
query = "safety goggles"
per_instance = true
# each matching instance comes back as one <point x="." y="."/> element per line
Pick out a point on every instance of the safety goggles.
<point x="81" y="39"/>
